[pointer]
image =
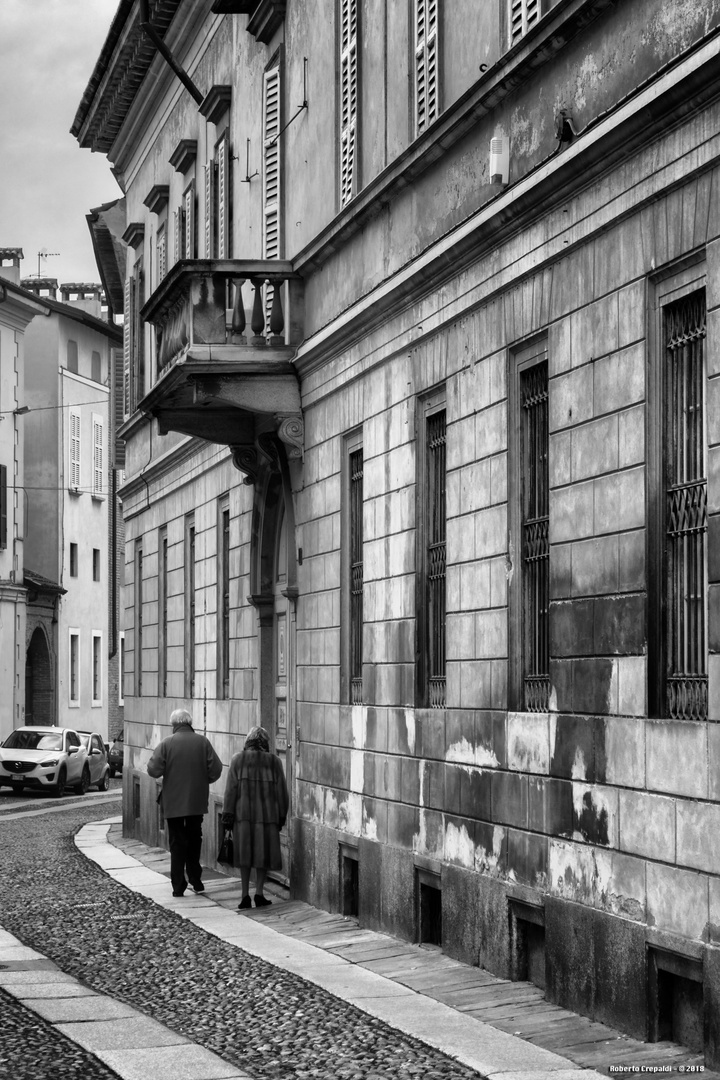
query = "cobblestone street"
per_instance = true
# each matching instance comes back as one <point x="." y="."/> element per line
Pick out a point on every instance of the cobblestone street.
<point x="268" y="1023"/>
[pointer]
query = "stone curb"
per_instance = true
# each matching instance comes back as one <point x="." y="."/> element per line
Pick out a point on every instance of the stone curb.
<point x="492" y="1053"/>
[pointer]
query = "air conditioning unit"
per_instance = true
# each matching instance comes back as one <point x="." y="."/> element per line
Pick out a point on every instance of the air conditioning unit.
<point x="499" y="159"/>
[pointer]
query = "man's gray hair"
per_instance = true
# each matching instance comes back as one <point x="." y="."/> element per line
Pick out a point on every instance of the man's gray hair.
<point x="179" y="717"/>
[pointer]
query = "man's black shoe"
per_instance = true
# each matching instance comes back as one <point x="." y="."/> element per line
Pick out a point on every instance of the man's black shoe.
<point x="178" y="893"/>
<point x="198" y="886"/>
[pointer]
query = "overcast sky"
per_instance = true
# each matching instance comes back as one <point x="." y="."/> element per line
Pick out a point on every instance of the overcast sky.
<point x="48" y="49"/>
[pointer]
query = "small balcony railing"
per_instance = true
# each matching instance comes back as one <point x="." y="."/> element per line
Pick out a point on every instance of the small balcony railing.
<point x="242" y="304"/>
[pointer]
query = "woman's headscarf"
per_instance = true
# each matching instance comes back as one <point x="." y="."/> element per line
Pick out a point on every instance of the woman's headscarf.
<point x="257" y="739"/>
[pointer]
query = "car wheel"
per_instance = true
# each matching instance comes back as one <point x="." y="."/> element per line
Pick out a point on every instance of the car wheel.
<point x="59" y="789"/>
<point x="111" y="773"/>
<point x="104" y="783"/>
<point x="17" y="788"/>
<point x="84" y="785"/>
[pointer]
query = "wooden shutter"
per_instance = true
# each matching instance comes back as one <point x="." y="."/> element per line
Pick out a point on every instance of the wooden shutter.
<point x="222" y="157"/>
<point x="117" y="406"/>
<point x="271" y="165"/>
<point x="161" y="253"/>
<point x="523" y="15"/>
<point x="426" y="53"/>
<point x="3" y="506"/>
<point x="209" y="209"/>
<point x="138" y="354"/>
<point x="98" y="435"/>
<point x="128" y="323"/>
<point x="348" y="98"/>
<point x="74" y="449"/>
<point x="189" y="221"/>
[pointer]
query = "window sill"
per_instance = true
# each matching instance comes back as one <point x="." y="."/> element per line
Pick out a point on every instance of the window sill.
<point x="96" y="497"/>
<point x="75" y="492"/>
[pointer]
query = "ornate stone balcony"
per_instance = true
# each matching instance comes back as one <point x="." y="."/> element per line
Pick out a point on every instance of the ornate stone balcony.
<point x="225" y="336"/>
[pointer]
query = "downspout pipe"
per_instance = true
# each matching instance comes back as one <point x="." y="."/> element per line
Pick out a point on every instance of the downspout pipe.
<point x="162" y="48"/>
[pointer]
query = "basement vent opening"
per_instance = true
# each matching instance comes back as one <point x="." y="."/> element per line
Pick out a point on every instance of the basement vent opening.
<point x="676" y="999"/>
<point x="349" y="881"/>
<point x="527" y="937"/>
<point x="136" y="799"/>
<point x="429" y="908"/>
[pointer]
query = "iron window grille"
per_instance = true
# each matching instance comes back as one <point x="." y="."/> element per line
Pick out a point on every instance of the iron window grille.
<point x="435" y="557"/>
<point x="163" y="611"/>
<point x="686" y="683"/>
<point x="535" y="536"/>
<point x="138" y="619"/>
<point x="224" y="666"/>
<point x="356" y="576"/>
<point x="190" y="609"/>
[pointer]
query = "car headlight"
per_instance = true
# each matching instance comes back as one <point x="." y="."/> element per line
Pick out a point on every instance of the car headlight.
<point x="48" y="764"/>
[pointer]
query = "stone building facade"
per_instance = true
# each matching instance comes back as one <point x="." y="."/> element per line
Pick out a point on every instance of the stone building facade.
<point x="421" y="444"/>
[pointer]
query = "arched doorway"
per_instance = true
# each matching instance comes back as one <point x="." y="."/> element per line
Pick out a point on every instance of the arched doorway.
<point x="39" y="694"/>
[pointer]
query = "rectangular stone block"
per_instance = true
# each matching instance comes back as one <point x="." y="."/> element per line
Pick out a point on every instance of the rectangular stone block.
<point x="677" y="757"/>
<point x="509" y="798"/>
<point x="527" y="857"/>
<point x="595" y="448"/>
<point x="631" y="311"/>
<point x="550" y="806"/>
<point x="571" y="398"/>
<point x="631" y="685"/>
<point x="677" y="900"/>
<point x="631" y="437"/>
<point x="560" y="458"/>
<point x="459" y="842"/>
<point x="595" y="814"/>
<point x="528" y="742"/>
<point x="698" y="835"/>
<point x="572" y="512"/>
<point x="619" y="954"/>
<point x="595" y="566"/>
<point x="476" y="793"/>
<point x="559" y="346"/>
<point x="571" y="628"/>
<point x="619" y="625"/>
<point x="619" y="379"/>
<point x="624" y="892"/>
<point x="572" y="747"/>
<point x="619" y="501"/>
<point x="569" y="955"/>
<point x="594" y="686"/>
<point x="620" y="744"/>
<point x="647" y="825"/>
<point x="561" y="571"/>
<point x="402" y="825"/>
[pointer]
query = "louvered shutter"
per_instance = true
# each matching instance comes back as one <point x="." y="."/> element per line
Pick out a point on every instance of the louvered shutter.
<point x="138" y="356"/>
<point x="117" y="410"/>
<point x="128" y="323"/>
<point x="209" y="209"/>
<point x="189" y="221"/>
<point x="178" y="235"/>
<point x="348" y="98"/>
<point x="222" y="157"/>
<point x="523" y="15"/>
<point x="3" y="507"/>
<point x="271" y="175"/>
<point x="74" y="449"/>
<point x="98" y="479"/>
<point x="426" y="63"/>
<point x="161" y="254"/>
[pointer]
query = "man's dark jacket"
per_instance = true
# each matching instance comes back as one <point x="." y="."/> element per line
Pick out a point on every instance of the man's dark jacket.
<point x="188" y="765"/>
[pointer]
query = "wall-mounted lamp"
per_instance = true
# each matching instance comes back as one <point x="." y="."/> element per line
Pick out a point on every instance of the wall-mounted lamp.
<point x="499" y="159"/>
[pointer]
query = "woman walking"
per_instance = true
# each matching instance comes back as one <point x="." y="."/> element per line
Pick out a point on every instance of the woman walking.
<point x="256" y="806"/>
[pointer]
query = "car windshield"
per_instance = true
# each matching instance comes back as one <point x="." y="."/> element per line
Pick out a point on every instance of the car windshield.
<point x="33" y="740"/>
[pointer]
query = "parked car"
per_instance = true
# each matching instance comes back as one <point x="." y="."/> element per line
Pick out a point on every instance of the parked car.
<point x="116" y="755"/>
<point x="49" y="758"/>
<point x="97" y="759"/>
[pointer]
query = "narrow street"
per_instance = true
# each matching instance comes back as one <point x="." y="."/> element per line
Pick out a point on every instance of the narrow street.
<point x="266" y="1022"/>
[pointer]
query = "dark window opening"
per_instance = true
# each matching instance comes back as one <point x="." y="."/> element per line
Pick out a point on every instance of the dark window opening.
<point x="350" y="884"/>
<point x="435" y="558"/>
<point x="73" y="560"/>
<point x="136" y="799"/>
<point x="527" y="936"/>
<point x="676" y="999"/>
<point x="356" y="576"/>
<point x="535" y="536"/>
<point x="429" y="908"/>
<point x="72" y="356"/>
<point x="96" y="564"/>
<point x="96" y="367"/>
<point x="686" y="523"/>
<point x="3" y="507"/>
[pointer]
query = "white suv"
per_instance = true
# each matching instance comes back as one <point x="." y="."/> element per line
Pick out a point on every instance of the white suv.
<point x="52" y="758"/>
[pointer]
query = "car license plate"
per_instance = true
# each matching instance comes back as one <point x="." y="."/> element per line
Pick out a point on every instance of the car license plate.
<point x="18" y="776"/>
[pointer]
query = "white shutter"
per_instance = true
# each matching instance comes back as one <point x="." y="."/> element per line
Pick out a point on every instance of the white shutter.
<point x="222" y="156"/>
<point x="98" y="478"/>
<point x="209" y="208"/>
<point x="161" y="253"/>
<point x="128" y="323"/>
<point x="74" y="449"/>
<point x="116" y="408"/>
<point x="426" y="63"/>
<point x="189" y="221"/>
<point x="348" y="98"/>
<point x="271" y="165"/>
<point x="523" y="15"/>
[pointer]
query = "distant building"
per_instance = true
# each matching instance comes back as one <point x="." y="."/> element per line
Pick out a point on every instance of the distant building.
<point x="17" y="309"/>
<point x="422" y="434"/>
<point x="70" y="511"/>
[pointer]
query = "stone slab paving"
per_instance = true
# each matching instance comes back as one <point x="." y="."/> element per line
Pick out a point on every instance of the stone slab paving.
<point x="473" y="996"/>
<point x="130" y="1044"/>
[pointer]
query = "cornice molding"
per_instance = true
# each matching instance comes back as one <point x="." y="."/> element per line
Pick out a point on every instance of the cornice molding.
<point x="134" y="234"/>
<point x="216" y="102"/>
<point x="183" y="155"/>
<point x="157" y="198"/>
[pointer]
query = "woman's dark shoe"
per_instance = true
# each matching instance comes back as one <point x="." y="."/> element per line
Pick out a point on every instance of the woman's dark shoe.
<point x="175" y="893"/>
<point x="198" y="885"/>
<point x="246" y="902"/>
<point x="262" y="901"/>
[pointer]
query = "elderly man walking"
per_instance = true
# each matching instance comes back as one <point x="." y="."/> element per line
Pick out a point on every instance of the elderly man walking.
<point x="188" y="765"/>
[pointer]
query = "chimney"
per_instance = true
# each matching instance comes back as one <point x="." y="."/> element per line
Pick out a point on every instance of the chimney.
<point x="85" y="295"/>
<point x="42" y="286"/>
<point x="10" y="259"/>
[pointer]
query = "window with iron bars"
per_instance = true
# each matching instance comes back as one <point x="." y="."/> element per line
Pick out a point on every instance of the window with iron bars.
<point x="190" y="606"/>
<point x="685" y="482"/>
<point x="435" y="558"/>
<point x="535" y="536"/>
<point x="356" y="576"/>
<point x="223" y="667"/>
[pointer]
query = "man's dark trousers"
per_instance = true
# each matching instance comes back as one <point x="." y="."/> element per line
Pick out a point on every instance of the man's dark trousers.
<point x="185" y="835"/>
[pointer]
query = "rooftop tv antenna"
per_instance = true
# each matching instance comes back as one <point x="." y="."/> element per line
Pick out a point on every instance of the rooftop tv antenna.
<point x="45" y="254"/>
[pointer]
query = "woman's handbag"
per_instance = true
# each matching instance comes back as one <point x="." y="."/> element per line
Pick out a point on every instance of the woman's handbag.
<point x="225" y="854"/>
